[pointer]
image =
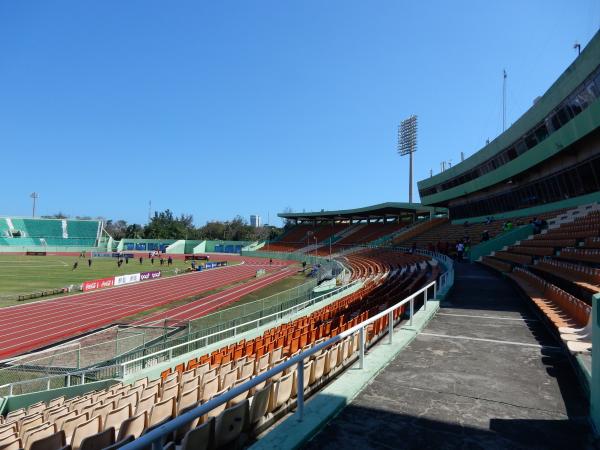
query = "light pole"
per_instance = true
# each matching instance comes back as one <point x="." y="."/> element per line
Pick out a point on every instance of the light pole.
<point x="330" y="238"/>
<point x="34" y="196"/>
<point x="407" y="145"/>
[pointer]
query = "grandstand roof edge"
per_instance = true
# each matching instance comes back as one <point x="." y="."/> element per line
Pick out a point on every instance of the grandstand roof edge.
<point x="564" y="85"/>
<point x="49" y="218"/>
<point x="388" y="208"/>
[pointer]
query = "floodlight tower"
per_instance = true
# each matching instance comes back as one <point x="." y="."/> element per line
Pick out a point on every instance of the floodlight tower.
<point x="34" y="196"/>
<point x="407" y="145"/>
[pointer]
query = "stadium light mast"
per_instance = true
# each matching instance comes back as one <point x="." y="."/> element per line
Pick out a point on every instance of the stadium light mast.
<point x="34" y="196"/>
<point x="407" y="145"/>
<point x="503" y="100"/>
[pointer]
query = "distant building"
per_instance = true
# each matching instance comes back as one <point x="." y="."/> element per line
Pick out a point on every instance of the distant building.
<point x="255" y="220"/>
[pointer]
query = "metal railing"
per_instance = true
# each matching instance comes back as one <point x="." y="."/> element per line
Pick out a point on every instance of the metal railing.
<point x="61" y="380"/>
<point x="127" y="366"/>
<point x="168" y="354"/>
<point x="155" y="437"/>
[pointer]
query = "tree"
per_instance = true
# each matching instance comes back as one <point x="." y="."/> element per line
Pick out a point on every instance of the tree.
<point x="164" y="225"/>
<point x="133" y="231"/>
<point x="117" y="229"/>
<point x="58" y="215"/>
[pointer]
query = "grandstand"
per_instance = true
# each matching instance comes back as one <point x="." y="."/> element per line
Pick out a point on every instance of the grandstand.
<point x="326" y="232"/>
<point x="48" y="233"/>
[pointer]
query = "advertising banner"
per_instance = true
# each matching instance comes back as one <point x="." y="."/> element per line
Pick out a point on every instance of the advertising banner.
<point x="126" y="279"/>
<point x="212" y="265"/>
<point x="112" y="255"/>
<point x="149" y="275"/>
<point x="196" y="257"/>
<point x="98" y="284"/>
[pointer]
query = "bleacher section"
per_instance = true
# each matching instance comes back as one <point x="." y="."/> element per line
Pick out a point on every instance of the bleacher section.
<point x="301" y="236"/>
<point x="4" y="229"/>
<point x="122" y="413"/>
<point x="49" y="232"/>
<point x="38" y="228"/>
<point x="369" y="232"/>
<point x="557" y="270"/>
<point x="443" y="235"/>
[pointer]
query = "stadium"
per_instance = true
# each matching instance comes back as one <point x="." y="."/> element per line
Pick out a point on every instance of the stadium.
<point x="465" y="320"/>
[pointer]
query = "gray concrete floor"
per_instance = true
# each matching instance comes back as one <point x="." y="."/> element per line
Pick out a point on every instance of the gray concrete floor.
<point x="485" y="373"/>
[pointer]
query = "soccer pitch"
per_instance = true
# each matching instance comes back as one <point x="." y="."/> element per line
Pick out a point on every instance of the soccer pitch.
<point x="21" y="274"/>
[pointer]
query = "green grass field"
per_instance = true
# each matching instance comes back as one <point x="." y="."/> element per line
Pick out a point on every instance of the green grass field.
<point x="27" y="274"/>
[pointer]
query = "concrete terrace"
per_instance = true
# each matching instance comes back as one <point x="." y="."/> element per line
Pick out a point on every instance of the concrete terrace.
<point x="485" y="373"/>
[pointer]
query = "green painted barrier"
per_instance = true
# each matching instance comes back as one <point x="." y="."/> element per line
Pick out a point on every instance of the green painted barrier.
<point x="500" y="241"/>
<point x="595" y="388"/>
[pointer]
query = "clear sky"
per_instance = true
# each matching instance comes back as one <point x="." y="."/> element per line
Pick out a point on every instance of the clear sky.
<point x="224" y="108"/>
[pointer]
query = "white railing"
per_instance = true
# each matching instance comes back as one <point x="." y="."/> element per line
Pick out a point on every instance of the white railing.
<point x="127" y="368"/>
<point x="154" y="438"/>
<point x="143" y="362"/>
<point x="66" y="380"/>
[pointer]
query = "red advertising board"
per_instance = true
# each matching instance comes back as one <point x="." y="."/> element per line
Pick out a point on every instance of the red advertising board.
<point x="98" y="284"/>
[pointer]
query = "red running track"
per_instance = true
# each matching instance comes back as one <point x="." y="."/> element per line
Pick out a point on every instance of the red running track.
<point x="30" y="326"/>
<point x="203" y="306"/>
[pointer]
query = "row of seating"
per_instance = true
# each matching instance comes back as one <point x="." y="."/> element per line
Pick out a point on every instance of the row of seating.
<point x="494" y="263"/>
<point x="365" y="234"/>
<point x="577" y="254"/>
<point x="557" y="242"/>
<point x="447" y="232"/>
<point x="569" y="315"/>
<point x="583" y="276"/>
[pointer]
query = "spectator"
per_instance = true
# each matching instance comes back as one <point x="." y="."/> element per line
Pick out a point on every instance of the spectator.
<point x="460" y="248"/>
<point x="485" y="236"/>
<point x="466" y="224"/>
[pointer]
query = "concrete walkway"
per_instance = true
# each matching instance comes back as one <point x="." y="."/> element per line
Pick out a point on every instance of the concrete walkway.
<point x="485" y="373"/>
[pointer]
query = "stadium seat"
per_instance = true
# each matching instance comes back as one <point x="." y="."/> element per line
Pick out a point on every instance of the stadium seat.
<point x="230" y="423"/>
<point x="99" y="441"/>
<point x="52" y="442"/>
<point x="134" y="426"/>
<point x="200" y="438"/>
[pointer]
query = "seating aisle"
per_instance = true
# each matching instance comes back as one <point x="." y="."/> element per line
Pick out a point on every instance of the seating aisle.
<point x="485" y="373"/>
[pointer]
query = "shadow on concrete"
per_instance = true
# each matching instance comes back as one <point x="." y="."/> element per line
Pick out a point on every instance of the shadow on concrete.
<point x="372" y="428"/>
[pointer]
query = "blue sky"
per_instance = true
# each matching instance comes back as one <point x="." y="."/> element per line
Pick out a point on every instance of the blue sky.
<point x="224" y="108"/>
